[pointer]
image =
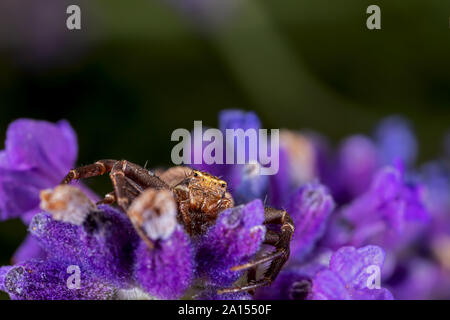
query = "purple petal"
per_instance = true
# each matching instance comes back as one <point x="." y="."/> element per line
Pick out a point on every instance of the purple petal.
<point x="49" y="280"/>
<point x="238" y="119"/>
<point x="327" y="285"/>
<point x="372" y="294"/>
<point x="387" y="210"/>
<point x="104" y="243"/>
<point x="309" y="207"/>
<point x="32" y="144"/>
<point x="357" y="163"/>
<point x="353" y="265"/>
<point x="396" y="141"/>
<point x="252" y="185"/>
<point x="19" y="192"/>
<point x="233" y="240"/>
<point x="350" y="276"/>
<point x="37" y="155"/>
<point x="280" y="183"/>
<point x="3" y="271"/>
<point x="167" y="270"/>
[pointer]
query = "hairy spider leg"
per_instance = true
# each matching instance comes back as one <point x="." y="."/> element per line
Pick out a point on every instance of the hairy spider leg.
<point x="281" y="242"/>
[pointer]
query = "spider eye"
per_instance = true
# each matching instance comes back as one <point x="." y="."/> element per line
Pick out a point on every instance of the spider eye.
<point x="223" y="185"/>
<point x="195" y="174"/>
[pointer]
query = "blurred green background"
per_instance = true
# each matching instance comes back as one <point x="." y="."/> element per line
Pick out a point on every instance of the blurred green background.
<point x="140" y="69"/>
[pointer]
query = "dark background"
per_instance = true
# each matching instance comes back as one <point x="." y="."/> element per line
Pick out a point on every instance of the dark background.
<point x="140" y="69"/>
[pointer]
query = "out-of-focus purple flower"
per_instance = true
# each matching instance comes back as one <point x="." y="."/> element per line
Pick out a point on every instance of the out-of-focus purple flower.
<point x="280" y="187"/>
<point x="382" y="213"/>
<point x="396" y="141"/>
<point x="356" y="164"/>
<point x="50" y="280"/>
<point x="167" y="270"/>
<point x="234" y="120"/>
<point x="352" y="275"/>
<point x="309" y="208"/>
<point x="417" y="279"/>
<point x="104" y="244"/>
<point x="233" y="240"/>
<point x="436" y="177"/>
<point x="37" y="155"/>
<point x="252" y="184"/>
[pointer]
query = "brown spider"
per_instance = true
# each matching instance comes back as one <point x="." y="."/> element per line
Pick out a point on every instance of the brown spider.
<point x="200" y="198"/>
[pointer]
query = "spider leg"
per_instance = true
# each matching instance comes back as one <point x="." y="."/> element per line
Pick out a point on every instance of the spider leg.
<point x="92" y="170"/>
<point x="280" y="240"/>
<point x="185" y="215"/>
<point x="133" y="190"/>
<point x="123" y="199"/>
<point x="140" y="176"/>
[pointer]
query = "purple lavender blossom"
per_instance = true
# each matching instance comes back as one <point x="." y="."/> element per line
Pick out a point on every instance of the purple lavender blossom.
<point x="3" y="271"/>
<point x="309" y="208"/>
<point x="382" y="214"/>
<point x="37" y="156"/>
<point x="167" y="270"/>
<point x="357" y="163"/>
<point x="104" y="244"/>
<point x="417" y="279"/>
<point x="375" y="205"/>
<point x="49" y="280"/>
<point x="396" y="141"/>
<point x="350" y="276"/>
<point x="233" y="240"/>
<point x="280" y="188"/>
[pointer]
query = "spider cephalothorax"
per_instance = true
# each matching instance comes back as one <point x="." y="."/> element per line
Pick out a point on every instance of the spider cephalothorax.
<point x="198" y="198"/>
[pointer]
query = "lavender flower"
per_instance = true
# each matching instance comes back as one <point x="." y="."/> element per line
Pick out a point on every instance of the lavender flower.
<point x="37" y="155"/>
<point x="49" y="280"/>
<point x="350" y="276"/>
<point x="233" y="240"/>
<point x="309" y="207"/>
<point x="396" y="141"/>
<point x="357" y="164"/>
<point x="385" y="209"/>
<point x="167" y="270"/>
<point x="104" y="244"/>
<point x="384" y="212"/>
